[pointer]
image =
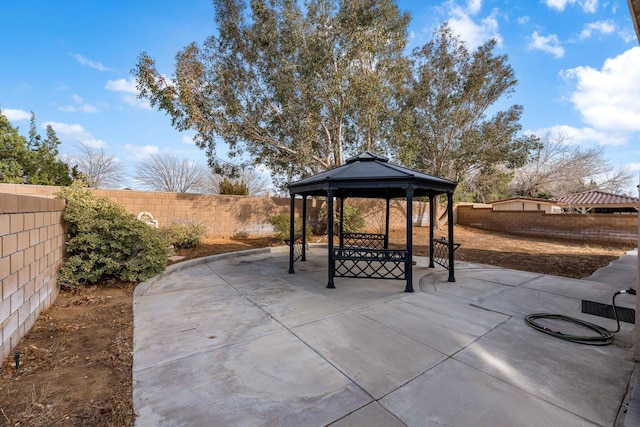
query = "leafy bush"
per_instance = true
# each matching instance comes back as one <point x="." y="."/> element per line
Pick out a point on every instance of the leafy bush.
<point x="105" y="241"/>
<point x="353" y="220"/>
<point x="237" y="188"/>
<point x="281" y="225"/>
<point x="184" y="235"/>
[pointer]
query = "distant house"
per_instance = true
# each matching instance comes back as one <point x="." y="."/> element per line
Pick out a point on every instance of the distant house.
<point x="527" y="204"/>
<point x="595" y="201"/>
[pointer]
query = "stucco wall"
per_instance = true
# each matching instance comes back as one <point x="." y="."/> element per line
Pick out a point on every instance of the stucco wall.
<point x="593" y="227"/>
<point x="32" y="241"/>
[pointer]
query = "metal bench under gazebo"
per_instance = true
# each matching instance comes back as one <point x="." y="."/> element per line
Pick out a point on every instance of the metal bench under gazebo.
<point x="362" y="255"/>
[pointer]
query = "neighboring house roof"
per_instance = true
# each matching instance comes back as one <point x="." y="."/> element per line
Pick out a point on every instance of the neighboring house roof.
<point x="526" y="199"/>
<point x="598" y="198"/>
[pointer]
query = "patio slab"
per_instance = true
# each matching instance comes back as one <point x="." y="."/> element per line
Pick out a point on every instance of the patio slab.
<point x="288" y="351"/>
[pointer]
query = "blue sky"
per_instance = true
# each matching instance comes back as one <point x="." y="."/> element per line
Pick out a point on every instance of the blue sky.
<point x="577" y="63"/>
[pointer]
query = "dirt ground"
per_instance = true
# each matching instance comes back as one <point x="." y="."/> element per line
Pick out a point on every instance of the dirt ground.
<point x="75" y="363"/>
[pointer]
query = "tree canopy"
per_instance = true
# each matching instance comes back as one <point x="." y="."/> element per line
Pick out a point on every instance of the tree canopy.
<point x="298" y="87"/>
<point x="444" y="128"/>
<point x="556" y="168"/>
<point x="32" y="161"/>
<point x="295" y="88"/>
<point x="166" y="172"/>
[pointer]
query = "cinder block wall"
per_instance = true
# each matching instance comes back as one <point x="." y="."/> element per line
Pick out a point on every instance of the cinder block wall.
<point x="592" y="227"/>
<point x="228" y="216"/>
<point x="32" y="242"/>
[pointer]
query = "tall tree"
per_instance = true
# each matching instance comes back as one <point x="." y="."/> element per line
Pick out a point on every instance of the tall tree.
<point x="297" y="88"/>
<point x="99" y="169"/>
<point x="32" y="161"/>
<point x="13" y="152"/>
<point x="557" y="168"/>
<point x="446" y="131"/>
<point x="166" y="172"/>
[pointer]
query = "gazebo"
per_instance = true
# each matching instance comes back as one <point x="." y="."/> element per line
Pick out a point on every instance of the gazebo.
<point x="368" y="255"/>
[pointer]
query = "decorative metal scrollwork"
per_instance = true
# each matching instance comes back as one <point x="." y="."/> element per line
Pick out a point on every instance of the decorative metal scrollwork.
<point x="297" y="246"/>
<point x="363" y="240"/>
<point x="370" y="263"/>
<point x="441" y="252"/>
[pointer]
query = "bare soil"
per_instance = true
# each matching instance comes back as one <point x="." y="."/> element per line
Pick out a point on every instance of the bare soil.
<point x="75" y="363"/>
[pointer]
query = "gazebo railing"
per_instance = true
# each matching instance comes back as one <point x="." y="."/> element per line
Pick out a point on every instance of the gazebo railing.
<point x="363" y="240"/>
<point x="298" y="250"/>
<point x="370" y="263"/>
<point x="441" y="251"/>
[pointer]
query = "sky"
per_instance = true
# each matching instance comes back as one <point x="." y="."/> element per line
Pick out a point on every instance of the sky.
<point x="577" y="63"/>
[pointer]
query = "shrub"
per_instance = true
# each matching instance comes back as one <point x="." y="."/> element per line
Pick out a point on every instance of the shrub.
<point x="353" y="220"/>
<point x="184" y="235"/>
<point x="105" y="241"/>
<point x="237" y="188"/>
<point x="281" y="225"/>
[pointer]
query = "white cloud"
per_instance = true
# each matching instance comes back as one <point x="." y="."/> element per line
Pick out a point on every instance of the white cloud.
<point x="588" y="6"/>
<point x="141" y="152"/>
<point x="473" y="33"/>
<point x="607" y="98"/>
<point x="602" y="27"/>
<point x="89" y="63"/>
<point x="549" y="44"/>
<point x="16" y="115"/>
<point x="474" y="6"/>
<point x="129" y="92"/>
<point x="75" y="133"/>
<point x="122" y="85"/>
<point x="586" y="135"/>
<point x="188" y="140"/>
<point x="80" y="106"/>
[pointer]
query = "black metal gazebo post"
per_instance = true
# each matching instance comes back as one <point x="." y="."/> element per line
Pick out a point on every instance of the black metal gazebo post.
<point x="304" y="228"/>
<point x="452" y="277"/>
<point x="409" y="262"/>
<point x="432" y="219"/>
<point x="386" y="225"/>
<point x="332" y="264"/>
<point x="292" y="215"/>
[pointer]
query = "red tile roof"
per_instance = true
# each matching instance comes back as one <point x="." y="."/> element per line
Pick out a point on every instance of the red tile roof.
<point x="596" y="197"/>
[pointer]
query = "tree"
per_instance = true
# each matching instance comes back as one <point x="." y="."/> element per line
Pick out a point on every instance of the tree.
<point x="445" y="129"/>
<point x="13" y="151"/>
<point x="34" y="161"/>
<point x="294" y="88"/>
<point x="99" y="169"/>
<point x="166" y="172"/>
<point x="557" y="168"/>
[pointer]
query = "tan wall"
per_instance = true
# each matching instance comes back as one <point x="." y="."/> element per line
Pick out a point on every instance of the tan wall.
<point x="32" y="241"/>
<point x="224" y="216"/>
<point x="525" y="206"/>
<point x="227" y="216"/>
<point x="594" y="227"/>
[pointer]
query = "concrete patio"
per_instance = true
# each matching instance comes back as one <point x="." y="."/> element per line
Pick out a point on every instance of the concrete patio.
<point x="233" y="340"/>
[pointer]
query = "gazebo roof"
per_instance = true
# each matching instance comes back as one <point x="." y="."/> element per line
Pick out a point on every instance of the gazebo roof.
<point x="372" y="176"/>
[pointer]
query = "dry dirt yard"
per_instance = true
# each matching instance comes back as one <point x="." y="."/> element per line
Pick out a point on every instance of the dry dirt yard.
<point x="75" y="363"/>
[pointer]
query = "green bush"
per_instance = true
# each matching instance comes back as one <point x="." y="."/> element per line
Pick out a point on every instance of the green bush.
<point x="105" y="241"/>
<point x="281" y="225"/>
<point x="184" y="235"/>
<point x="354" y="221"/>
<point x="237" y="188"/>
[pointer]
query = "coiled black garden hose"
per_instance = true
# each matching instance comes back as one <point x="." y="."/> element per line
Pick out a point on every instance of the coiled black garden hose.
<point x="603" y="336"/>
